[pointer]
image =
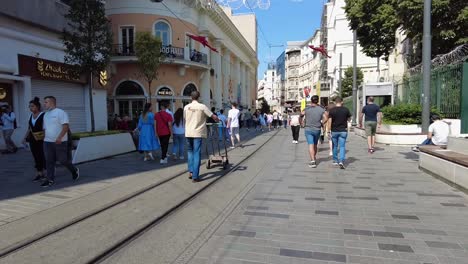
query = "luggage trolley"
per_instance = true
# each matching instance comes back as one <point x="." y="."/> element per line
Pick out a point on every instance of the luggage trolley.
<point x="214" y="135"/>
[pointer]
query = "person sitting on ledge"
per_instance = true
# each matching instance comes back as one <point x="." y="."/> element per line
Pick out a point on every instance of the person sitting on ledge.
<point x="437" y="135"/>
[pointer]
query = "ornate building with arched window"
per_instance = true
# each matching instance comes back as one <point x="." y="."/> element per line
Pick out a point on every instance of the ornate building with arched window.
<point x="221" y="77"/>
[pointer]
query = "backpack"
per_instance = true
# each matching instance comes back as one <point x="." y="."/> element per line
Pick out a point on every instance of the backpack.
<point x="15" y="126"/>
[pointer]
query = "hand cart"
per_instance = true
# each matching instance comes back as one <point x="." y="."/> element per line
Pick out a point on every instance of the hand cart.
<point x="217" y="135"/>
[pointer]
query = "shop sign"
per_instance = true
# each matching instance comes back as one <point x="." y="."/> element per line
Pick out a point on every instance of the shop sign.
<point x="165" y="92"/>
<point x="43" y="69"/>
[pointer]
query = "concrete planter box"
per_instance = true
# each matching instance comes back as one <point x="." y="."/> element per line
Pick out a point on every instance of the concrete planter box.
<point x="401" y="129"/>
<point x="399" y="136"/>
<point x="98" y="147"/>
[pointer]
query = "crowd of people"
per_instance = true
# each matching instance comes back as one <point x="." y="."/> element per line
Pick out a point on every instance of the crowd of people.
<point x="48" y="133"/>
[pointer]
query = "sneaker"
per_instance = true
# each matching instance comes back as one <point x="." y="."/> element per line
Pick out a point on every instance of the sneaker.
<point x="232" y="147"/>
<point x="150" y="156"/>
<point x="335" y="163"/>
<point x="181" y="157"/>
<point x="76" y="175"/>
<point x="196" y="180"/>
<point x="415" y="149"/>
<point x="341" y="165"/>
<point x="312" y="164"/>
<point x="294" y="141"/>
<point x="145" y="159"/>
<point x="47" y="183"/>
<point x="38" y="178"/>
<point x="163" y="161"/>
<point x="190" y="175"/>
<point x="297" y="142"/>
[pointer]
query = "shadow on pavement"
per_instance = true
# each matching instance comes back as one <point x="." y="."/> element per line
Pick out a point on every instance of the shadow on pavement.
<point x="17" y="171"/>
<point x="410" y="155"/>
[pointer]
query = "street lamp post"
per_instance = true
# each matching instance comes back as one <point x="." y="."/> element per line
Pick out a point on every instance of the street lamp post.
<point x="353" y="123"/>
<point x="426" y="95"/>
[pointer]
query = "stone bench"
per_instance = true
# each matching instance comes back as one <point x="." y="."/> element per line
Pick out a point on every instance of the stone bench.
<point x="450" y="165"/>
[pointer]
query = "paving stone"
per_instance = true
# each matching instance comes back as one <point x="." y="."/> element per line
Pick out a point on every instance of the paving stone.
<point x="430" y="232"/>
<point x="357" y="198"/>
<point x="387" y="234"/>
<point x="358" y="232"/>
<point x="439" y="195"/>
<point x="242" y="233"/>
<point x="394" y="247"/>
<point x="453" y="204"/>
<point x="257" y="207"/>
<point x="440" y="244"/>
<point x="305" y="188"/>
<point x="409" y="217"/>
<point x="274" y="200"/>
<point x="326" y="212"/>
<point x="284" y="216"/>
<point x="312" y="255"/>
<point x="314" y="199"/>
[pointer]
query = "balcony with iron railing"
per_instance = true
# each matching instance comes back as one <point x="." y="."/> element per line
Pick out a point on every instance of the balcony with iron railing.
<point x="171" y="53"/>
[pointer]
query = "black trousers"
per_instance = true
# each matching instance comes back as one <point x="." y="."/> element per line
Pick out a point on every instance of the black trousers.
<point x="57" y="152"/>
<point x="295" y="132"/>
<point x="164" y="141"/>
<point x="37" y="150"/>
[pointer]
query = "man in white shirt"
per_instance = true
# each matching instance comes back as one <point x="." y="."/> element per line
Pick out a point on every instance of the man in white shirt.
<point x="8" y="119"/>
<point x="195" y="115"/>
<point x="438" y="133"/>
<point x="56" y="141"/>
<point x="233" y="124"/>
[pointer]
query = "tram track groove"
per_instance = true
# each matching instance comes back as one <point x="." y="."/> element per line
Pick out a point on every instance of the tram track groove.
<point x="17" y="247"/>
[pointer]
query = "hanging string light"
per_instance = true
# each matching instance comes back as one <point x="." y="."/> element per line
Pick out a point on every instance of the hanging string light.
<point x="250" y="4"/>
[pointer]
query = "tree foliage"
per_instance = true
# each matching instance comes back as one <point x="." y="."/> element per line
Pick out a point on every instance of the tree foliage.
<point x="347" y="81"/>
<point x="375" y="23"/>
<point x="88" y="38"/>
<point x="377" y="20"/>
<point x="88" y="41"/>
<point x="264" y="107"/>
<point x="149" y="55"/>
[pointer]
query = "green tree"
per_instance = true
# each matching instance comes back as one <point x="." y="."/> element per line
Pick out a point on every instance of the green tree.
<point x="347" y="81"/>
<point x="264" y="107"/>
<point x="449" y="24"/>
<point x="149" y="56"/>
<point x="375" y="23"/>
<point x="88" y="41"/>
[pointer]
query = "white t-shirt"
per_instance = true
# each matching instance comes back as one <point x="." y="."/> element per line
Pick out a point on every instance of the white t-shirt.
<point x="234" y="116"/>
<point x="53" y="122"/>
<point x="440" y="132"/>
<point x="295" y="119"/>
<point x="275" y="116"/>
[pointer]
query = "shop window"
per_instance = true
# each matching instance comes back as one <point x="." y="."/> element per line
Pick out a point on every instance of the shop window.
<point x="164" y="32"/>
<point x="129" y="88"/>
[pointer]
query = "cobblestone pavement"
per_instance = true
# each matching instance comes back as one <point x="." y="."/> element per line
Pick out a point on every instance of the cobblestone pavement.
<point x="381" y="209"/>
<point x="20" y="197"/>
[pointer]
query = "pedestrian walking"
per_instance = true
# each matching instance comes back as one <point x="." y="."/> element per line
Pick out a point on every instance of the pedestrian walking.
<point x="262" y="121"/>
<point x="248" y="119"/>
<point x="327" y="127"/>
<point x="275" y="119"/>
<point x="147" y="142"/>
<point x="373" y="119"/>
<point x="195" y="129"/>
<point x="8" y="119"/>
<point x="294" y="122"/>
<point x="163" y="130"/>
<point x="340" y="116"/>
<point x="269" y="120"/>
<point x="313" y="116"/>
<point x="233" y="124"/>
<point x="222" y="131"/>
<point x="178" y="127"/>
<point x="35" y="138"/>
<point x="255" y="120"/>
<point x="285" y="119"/>
<point x="56" y="148"/>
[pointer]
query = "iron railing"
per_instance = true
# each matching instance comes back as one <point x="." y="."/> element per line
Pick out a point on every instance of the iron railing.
<point x="170" y="51"/>
<point x="446" y="83"/>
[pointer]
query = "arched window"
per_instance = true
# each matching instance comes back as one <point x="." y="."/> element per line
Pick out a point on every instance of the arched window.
<point x="189" y="88"/>
<point x="163" y="31"/>
<point x="129" y="88"/>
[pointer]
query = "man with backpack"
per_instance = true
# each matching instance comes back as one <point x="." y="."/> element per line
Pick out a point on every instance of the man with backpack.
<point x="9" y="125"/>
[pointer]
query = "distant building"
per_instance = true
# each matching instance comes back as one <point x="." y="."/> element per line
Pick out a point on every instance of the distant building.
<point x="293" y="62"/>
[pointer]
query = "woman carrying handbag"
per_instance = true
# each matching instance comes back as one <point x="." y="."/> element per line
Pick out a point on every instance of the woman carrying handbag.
<point x="35" y="137"/>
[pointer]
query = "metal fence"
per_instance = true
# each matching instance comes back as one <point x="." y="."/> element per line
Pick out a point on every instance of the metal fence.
<point x="446" y="84"/>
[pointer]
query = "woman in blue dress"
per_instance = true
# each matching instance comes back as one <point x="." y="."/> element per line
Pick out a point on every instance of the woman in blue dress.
<point x="148" y="141"/>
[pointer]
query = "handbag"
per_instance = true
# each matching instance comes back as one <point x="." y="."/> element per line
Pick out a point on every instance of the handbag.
<point x="39" y="135"/>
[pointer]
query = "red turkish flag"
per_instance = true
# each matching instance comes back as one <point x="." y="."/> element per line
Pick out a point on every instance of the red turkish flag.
<point x="203" y="41"/>
<point x="320" y="49"/>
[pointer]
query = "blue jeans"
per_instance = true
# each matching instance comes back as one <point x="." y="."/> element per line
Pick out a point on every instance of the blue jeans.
<point x="428" y="141"/>
<point x="222" y="133"/>
<point x="178" y="148"/>
<point x="194" y="156"/>
<point x="312" y="136"/>
<point x="339" y="140"/>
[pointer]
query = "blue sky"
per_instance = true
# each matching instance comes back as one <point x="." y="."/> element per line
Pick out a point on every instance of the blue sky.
<point x="285" y="20"/>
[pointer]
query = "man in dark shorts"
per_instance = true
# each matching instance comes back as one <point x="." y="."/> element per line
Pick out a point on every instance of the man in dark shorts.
<point x="373" y="119"/>
<point x="339" y="116"/>
<point x="312" y="123"/>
